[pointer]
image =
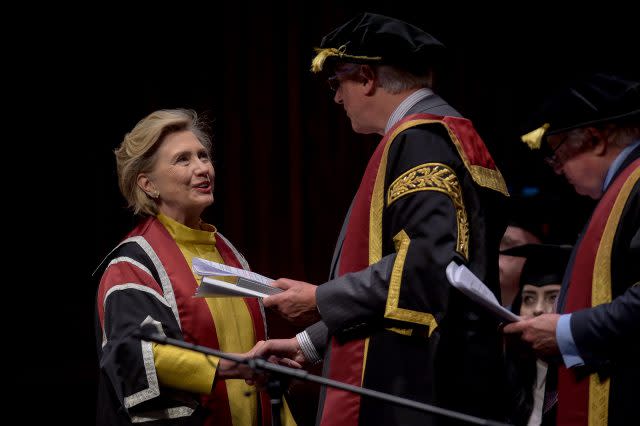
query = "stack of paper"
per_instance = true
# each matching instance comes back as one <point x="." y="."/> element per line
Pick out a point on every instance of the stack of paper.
<point x="243" y="283"/>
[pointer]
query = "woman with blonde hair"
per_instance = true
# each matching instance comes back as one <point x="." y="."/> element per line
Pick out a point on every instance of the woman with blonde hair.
<point x="166" y="175"/>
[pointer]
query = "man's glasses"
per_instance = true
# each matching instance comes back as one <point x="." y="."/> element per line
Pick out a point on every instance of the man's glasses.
<point x="334" y="83"/>
<point x="559" y="156"/>
<point x="555" y="160"/>
<point x="344" y="73"/>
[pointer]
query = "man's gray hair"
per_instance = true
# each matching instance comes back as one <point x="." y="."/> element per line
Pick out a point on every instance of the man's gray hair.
<point x="395" y="80"/>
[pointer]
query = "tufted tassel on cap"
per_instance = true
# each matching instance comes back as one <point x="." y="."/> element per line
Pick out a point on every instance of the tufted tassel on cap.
<point x="323" y="54"/>
<point x="534" y="138"/>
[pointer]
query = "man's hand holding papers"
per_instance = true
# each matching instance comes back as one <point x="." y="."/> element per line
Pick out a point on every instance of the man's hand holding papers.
<point x="297" y="303"/>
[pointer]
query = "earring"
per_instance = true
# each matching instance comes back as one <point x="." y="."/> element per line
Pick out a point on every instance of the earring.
<point x="154" y="194"/>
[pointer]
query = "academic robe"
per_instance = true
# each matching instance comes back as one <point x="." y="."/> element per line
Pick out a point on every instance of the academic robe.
<point x="430" y="195"/>
<point x="602" y="291"/>
<point x="147" y="270"/>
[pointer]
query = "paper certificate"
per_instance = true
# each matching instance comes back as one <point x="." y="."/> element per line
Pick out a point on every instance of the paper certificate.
<point x="464" y="280"/>
<point x="243" y="283"/>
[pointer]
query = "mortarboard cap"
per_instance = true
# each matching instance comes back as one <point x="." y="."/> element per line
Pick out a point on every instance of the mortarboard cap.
<point x="596" y="99"/>
<point x="545" y="263"/>
<point x="369" y="38"/>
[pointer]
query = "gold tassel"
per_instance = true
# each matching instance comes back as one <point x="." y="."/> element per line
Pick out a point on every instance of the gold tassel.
<point x="323" y="54"/>
<point x="534" y="138"/>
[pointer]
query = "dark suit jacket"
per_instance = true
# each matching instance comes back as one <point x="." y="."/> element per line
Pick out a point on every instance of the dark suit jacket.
<point x="608" y="336"/>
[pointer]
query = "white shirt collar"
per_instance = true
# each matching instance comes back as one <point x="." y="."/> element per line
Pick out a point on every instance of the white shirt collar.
<point x="404" y="107"/>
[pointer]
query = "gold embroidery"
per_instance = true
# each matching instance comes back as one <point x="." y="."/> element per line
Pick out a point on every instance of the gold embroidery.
<point x="435" y="177"/>
<point x="482" y="176"/>
<point x="425" y="177"/>
<point x="598" y="400"/>
<point x="403" y="331"/>
<point x="601" y="293"/>
<point x="392" y="311"/>
<point x="364" y="360"/>
<point x="489" y="178"/>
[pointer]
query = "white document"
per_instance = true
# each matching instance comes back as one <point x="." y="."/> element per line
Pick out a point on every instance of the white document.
<point x="245" y="283"/>
<point x="464" y="280"/>
<point x="206" y="267"/>
<point x="211" y="287"/>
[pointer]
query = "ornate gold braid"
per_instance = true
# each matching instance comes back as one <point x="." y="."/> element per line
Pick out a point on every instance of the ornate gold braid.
<point x="435" y="177"/>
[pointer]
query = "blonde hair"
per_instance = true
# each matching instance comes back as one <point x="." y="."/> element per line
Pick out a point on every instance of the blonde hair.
<point x="136" y="153"/>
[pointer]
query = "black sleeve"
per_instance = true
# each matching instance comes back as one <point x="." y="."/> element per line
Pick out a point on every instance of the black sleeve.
<point x="605" y="330"/>
<point x="422" y="229"/>
<point x="130" y="298"/>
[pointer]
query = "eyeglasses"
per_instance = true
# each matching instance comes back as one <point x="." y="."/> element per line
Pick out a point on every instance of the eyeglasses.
<point x="342" y="74"/>
<point x="555" y="160"/>
<point x="560" y="156"/>
<point x="334" y="83"/>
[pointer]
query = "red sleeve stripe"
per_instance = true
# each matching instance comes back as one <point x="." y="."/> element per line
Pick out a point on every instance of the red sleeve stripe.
<point x="167" y="288"/>
<point x="121" y="271"/>
<point x="127" y="270"/>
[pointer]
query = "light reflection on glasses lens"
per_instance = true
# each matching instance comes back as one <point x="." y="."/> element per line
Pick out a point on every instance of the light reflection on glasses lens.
<point x="333" y="83"/>
<point x="552" y="162"/>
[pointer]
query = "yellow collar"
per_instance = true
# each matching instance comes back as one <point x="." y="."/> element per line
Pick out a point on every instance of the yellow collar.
<point x="184" y="234"/>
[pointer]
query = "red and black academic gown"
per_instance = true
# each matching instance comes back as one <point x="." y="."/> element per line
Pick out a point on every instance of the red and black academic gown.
<point x="397" y="325"/>
<point x="147" y="280"/>
<point x="603" y="295"/>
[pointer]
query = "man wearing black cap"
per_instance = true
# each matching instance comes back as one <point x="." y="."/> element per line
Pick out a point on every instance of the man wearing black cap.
<point x="593" y="129"/>
<point x="389" y="320"/>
